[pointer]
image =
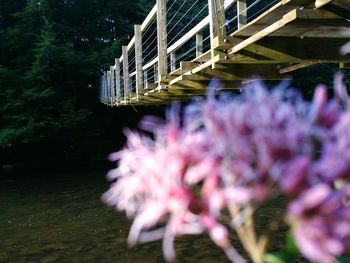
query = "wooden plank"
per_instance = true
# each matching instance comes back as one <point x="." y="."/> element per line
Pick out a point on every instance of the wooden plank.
<point x="296" y="67"/>
<point x="188" y="77"/>
<point x="150" y="63"/>
<point x="345" y="4"/>
<point x="320" y="3"/>
<point x="252" y="52"/>
<point x="211" y="73"/>
<point x="270" y="16"/>
<point x="151" y="86"/>
<point x="185" y="66"/>
<point x="132" y="74"/>
<point x="162" y="39"/>
<point x="150" y="17"/>
<point x="265" y="32"/>
<point x="241" y="13"/>
<point x="223" y="43"/>
<point x="138" y="59"/>
<point x="126" y="71"/>
<point x="307" y="49"/>
<point x="199" y="27"/>
<point x="203" y="58"/>
<point x="247" y="71"/>
<point x="199" y="44"/>
<point x="313" y="31"/>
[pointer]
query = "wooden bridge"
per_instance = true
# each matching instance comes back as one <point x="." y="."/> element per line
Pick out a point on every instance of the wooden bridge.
<point x="225" y="39"/>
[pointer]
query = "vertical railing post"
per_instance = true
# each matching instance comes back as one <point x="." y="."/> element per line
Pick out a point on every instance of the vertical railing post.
<point x="217" y="23"/>
<point x="126" y="72"/>
<point x="145" y="79"/>
<point x="241" y="13"/>
<point x="162" y="39"/>
<point x="138" y="59"/>
<point x="104" y="86"/>
<point x="112" y="97"/>
<point x="156" y="76"/>
<point x="102" y="83"/>
<point x="172" y="61"/>
<point x="117" y="79"/>
<point x="199" y="44"/>
<point x="108" y="86"/>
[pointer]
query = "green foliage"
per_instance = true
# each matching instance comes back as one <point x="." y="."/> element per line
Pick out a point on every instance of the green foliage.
<point x="342" y="260"/>
<point x="289" y="253"/>
<point x="51" y="53"/>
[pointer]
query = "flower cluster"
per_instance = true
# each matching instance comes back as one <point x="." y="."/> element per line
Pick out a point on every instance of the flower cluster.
<point x="233" y="152"/>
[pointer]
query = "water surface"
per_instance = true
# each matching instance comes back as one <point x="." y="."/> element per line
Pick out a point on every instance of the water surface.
<point x="58" y="217"/>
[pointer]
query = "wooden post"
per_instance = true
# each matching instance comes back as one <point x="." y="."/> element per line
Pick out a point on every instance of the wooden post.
<point x="112" y="97"/>
<point x="117" y="79"/>
<point x="138" y="59"/>
<point x="108" y="85"/>
<point x="199" y="45"/>
<point x="145" y="79"/>
<point x="156" y="76"/>
<point x="102" y="83"/>
<point x="241" y="13"/>
<point x="126" y="72"/>
<point x="216" y="23"/>
<point x="162" y="39"/>
<point x="104" y="86"/>
<point x="172" y="61"/>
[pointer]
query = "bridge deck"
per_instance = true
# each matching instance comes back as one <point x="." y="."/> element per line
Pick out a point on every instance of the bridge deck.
<point x="288" y="35"/>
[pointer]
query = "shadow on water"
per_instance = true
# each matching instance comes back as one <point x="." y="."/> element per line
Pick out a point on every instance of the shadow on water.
<point x="58" y="217"/>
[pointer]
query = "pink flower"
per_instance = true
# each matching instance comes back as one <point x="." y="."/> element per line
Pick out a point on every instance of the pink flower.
<point x="156" y="182"/>
<point x="321" y="223"/>
<point x="238" y="150"/>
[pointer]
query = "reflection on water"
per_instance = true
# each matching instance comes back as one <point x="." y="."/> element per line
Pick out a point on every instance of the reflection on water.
<point x="59" y="218"/>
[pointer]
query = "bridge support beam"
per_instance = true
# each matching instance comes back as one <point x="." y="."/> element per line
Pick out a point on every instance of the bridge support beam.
<point x="162" y="40"/>
<point x="216" y="23"/>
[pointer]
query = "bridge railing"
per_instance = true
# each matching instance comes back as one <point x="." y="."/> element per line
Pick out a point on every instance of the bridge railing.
<point x="159" y="44"/>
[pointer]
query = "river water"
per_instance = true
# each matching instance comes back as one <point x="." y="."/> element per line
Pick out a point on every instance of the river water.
<point x="58" y="217"/>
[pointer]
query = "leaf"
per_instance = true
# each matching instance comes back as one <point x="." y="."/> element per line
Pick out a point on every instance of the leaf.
<point x="291" y="247"/>
<point x="274" y="258"/>
<point x="342" y="259"/>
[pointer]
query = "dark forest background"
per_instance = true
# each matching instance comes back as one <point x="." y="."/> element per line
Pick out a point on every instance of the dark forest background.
<point x="51" y="53"/>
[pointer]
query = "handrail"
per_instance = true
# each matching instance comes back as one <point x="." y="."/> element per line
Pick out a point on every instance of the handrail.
<point x="156" y="13"/>
<point x="199" y="27"/>
<point x="144" y="26"/>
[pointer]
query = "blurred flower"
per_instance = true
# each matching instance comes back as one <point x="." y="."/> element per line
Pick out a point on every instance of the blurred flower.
<point x="321" y="223"/>
<point x="157" y="182"/>
<point x="234" y="152"/>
